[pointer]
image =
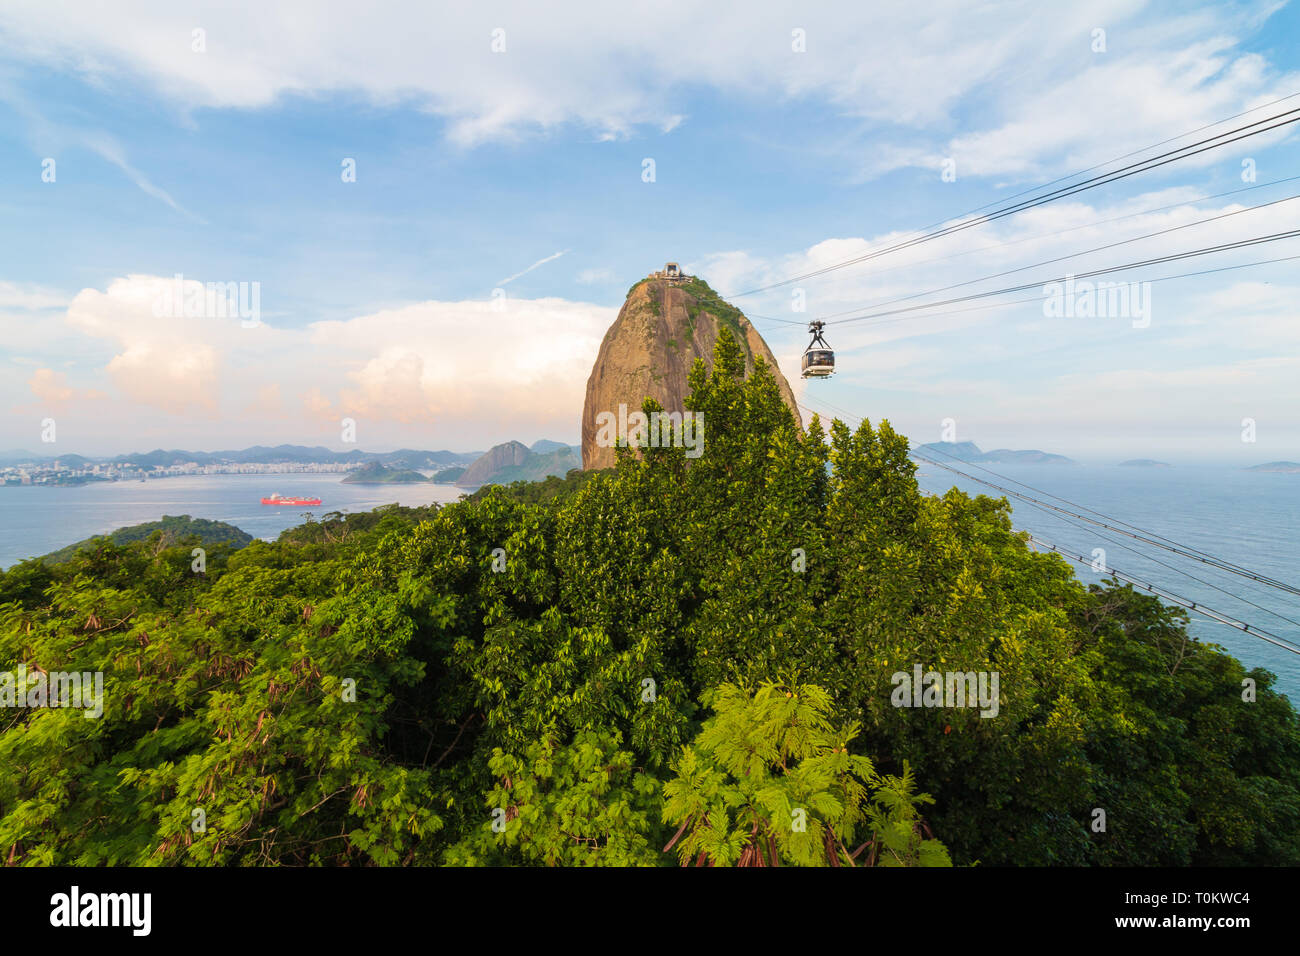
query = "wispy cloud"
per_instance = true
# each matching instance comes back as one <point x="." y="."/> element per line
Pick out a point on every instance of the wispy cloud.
<point x="108" y="148"/>
<point x="539" y="262"/>
<point x="57" y="136"/>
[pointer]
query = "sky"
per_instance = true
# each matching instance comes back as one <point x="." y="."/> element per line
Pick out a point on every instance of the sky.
<point x="440" y="211"/>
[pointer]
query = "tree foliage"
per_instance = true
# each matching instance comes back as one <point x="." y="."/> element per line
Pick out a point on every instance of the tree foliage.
<point x="604" y="659"/>
<point x="769" y="781"/>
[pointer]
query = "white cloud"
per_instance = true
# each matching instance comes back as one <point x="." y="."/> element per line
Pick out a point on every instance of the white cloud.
<point x="464" y="364"/>
<point x="429" y="374"/>
<point x="26" y="296"/>
<point x="171" y="364"/>
<point x="613" y="69"/>
<point x="1128" y="101"/>
<point x="944" y="268"/>
<point x="50" y="387"/>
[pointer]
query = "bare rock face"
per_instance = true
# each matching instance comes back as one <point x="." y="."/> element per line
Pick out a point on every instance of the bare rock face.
<point x="663" y="327"/>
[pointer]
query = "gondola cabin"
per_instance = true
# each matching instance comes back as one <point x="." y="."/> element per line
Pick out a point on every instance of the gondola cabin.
<point x="818" y="363"/>
<point x="818" y="358"/>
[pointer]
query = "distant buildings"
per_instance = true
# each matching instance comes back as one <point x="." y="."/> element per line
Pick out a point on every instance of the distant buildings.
<point x="55" y="473"/>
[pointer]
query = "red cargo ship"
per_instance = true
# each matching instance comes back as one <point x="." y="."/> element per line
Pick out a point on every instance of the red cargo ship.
<point x="277" y="500"/>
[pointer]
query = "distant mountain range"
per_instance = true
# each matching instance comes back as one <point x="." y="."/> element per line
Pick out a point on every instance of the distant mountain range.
<point x="968" y="451"/>
<point x="501" y="464"/>
<point x="257" y="454"/>
<point x="509" y="461"/>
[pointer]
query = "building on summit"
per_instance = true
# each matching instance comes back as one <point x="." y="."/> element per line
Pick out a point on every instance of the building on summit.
<point x="671" y="272"/>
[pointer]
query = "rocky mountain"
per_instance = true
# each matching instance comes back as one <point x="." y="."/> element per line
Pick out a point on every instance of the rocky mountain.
<point x="493" y="460"/>
<point x="969" y="451"/>
<point x="1283" y="467"/>
<point x="559" y="462"/>
<point x="513" y="461"/>
<point x="664" y="326"/>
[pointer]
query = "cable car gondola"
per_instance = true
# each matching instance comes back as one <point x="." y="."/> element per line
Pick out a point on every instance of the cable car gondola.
<point x="818" y="359"/>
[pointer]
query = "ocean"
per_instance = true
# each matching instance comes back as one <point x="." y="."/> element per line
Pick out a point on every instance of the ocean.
<point x="1248" y="518"/>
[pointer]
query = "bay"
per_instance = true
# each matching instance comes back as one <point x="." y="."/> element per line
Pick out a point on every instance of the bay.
<point x="36" y="520"/>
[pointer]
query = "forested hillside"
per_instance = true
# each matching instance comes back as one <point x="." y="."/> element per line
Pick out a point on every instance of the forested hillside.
<point x="170" y="530"/>
<point x="673" y="662"/>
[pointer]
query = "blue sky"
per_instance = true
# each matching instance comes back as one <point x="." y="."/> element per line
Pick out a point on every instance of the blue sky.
<point x="223" y="164"/>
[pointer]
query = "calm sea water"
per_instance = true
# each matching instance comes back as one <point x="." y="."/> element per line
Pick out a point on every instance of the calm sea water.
<point x="1249" y="518"/>
<point x="37" y="520"/>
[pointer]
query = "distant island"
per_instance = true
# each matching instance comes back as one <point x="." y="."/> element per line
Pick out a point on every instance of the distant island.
<point x="1282" y="467"/>
<point x="374" y="473"/>
<point x="171" y="530"/>
<point x="968" y="451"/>
<point x="1144" y="463"/>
